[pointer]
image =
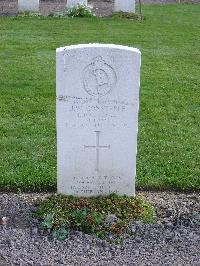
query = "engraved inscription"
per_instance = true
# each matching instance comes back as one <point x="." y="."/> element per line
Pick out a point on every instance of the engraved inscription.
<point x="87" y="112"/>
<point x="97" y="147"/>
<point x="99" y="78"/>
<point x="98" y="185"/>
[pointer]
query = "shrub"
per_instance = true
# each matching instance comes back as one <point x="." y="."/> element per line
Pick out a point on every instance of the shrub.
<point x="74" y="11"/>
<point x="80" y="11"/>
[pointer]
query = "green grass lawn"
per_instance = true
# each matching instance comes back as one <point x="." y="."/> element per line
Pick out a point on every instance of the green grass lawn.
<point x="169" y="127"/>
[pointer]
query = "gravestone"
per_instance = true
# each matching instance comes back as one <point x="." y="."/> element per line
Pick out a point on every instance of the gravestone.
<point x="97" y="119"/>
<point x="124" y="6"/>
<point x="28" y="5"/>
<point x="71" y="3"/>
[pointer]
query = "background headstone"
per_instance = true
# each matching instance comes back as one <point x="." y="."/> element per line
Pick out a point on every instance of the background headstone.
<point x="75" y="2"/>
<point x="97" y="119"/>
<point x="124" y="6"/>
<point x="28" y="5"/>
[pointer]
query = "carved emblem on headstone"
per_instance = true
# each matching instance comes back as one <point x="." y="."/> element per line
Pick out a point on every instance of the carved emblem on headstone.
<point x="99" y="78"/>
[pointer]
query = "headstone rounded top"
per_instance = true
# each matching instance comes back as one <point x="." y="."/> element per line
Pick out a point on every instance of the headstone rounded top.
<point x="98" y="45"/>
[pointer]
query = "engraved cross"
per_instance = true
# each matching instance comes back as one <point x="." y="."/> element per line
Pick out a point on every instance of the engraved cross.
<point x="97" y="147"/>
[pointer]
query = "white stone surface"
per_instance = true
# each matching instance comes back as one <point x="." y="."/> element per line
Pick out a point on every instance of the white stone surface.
<point x="71" y="3"/>
<point x="28" y="5"/>
<point x="124" y="6"/>
<point x="97" y="119"/>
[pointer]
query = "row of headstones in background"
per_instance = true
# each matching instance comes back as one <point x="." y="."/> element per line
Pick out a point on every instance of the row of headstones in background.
<point x="97" y="119"/>
<point x="120" y="5"/>
<point x="33" y="5"/>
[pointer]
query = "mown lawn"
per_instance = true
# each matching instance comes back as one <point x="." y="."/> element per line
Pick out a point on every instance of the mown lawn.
<point x="169" y="127"/>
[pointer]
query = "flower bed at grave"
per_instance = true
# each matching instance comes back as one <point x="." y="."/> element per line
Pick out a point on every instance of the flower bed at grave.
<point x="102" y="216"/>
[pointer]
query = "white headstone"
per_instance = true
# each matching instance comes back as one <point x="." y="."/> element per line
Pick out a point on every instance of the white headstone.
<point x="124" y="6"/>
<point x="28" y="5"/>
<point x="71" y="3"/>
<point x="97" y="119"/>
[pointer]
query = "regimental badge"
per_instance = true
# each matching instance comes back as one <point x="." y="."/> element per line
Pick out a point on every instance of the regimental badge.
<point x="99" y="78"/>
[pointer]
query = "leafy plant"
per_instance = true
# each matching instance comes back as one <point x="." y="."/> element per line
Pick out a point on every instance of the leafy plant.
<point x="48" y="221"/>
<point x="29" y="14"/>
<point x="89" y="215"/>
<point x="60" y="233"/>
<point x="58" y="14"/>
<point x="80" y="11"/>
<point x="127" y="15"/>
<point x="74" y="11"/>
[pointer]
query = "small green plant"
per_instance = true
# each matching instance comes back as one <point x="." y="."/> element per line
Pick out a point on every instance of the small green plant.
<point x="58" y="14"/>
<point x="48" y="221"/>
<point x="60" y="233"/>
<point x="126" y="15"/>
<point x="74" y="11"/>
<point x="80" y="11"/>
<point x="96" y="215"/>
<point x="29" y="14"/>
